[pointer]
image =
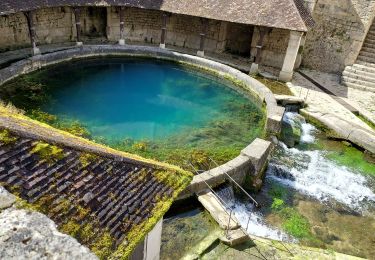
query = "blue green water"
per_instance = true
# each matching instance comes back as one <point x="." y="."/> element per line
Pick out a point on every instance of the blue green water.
<point x="123" y="102"/>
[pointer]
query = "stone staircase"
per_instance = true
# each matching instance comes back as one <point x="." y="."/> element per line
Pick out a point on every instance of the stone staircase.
<point x="361" y="75"/>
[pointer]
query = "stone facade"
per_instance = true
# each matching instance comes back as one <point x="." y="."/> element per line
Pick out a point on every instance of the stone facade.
<point x="341" y="27"/>
<point x="57" y="25"/>
<point x="274" y="48"/>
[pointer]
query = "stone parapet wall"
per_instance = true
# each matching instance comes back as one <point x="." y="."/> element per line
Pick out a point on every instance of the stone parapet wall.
<point x="251" y="159"/>
<point x="341" y="27"/>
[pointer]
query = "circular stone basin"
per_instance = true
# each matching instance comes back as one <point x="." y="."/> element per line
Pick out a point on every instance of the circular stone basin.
<point x="150" y="107"/>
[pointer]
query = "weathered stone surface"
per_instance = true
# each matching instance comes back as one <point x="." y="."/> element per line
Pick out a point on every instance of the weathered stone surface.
<point x="6" y="199"/>
<point x="31" y="235"/>
<point x="235" y="237"/>
<point x="344" y="129"/>
<point x="289" y="100"/>
<point x="217" y="210"/>
<point x="340" y="29"/>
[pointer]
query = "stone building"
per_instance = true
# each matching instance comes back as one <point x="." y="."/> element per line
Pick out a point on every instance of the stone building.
<point x="343" y="40"/>
<point x="268" y="33"/>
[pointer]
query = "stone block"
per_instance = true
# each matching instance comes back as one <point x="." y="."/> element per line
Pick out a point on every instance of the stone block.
<point x="6" y="199"/>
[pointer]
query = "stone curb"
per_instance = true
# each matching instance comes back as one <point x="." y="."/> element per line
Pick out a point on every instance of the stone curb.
<point x="261" y="93"/>
<point x="343" y="129"/>
<point x="252" y="159"/>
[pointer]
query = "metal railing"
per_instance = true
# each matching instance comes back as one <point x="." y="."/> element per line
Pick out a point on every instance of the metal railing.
<point x="225" y="205"/>
<point x="236" y="183"/>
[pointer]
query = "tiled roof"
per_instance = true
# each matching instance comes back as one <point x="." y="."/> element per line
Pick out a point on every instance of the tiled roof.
<point x="76" y="188"/>
<point x="285" y="14"/>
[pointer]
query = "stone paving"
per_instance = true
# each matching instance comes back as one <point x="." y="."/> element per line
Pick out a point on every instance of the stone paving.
<point x="319" y="101"/>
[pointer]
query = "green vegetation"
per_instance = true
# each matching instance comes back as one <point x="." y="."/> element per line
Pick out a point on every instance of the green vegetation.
<point x="277" y="87"/>
<point x="48" y="152"/>
<point x="73" y="127"/>
<point x="371" y="124"/>
<point x="352" y="158"/>
<point x="6" y="137"/>
<point x="291" y="220"/>
<point x="87" y="158"/>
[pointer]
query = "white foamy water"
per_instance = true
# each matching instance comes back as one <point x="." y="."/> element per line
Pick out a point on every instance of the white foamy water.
<point x="256" y="226"/>
<point x="313" y="174"/>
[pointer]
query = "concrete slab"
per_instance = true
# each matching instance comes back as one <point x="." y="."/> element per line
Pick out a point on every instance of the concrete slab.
<point x="217" y="210"/>
<point x="235" y="237"/>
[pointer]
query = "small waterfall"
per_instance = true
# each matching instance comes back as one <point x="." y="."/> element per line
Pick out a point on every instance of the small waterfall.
<point x="226" y="193"/>
<point x="243" y="212"/>
<point x="311" y="173"/>
<point x="257" y="226"/>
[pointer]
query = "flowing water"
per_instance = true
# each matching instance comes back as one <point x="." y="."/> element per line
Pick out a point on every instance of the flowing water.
<point x="332" y="198"/>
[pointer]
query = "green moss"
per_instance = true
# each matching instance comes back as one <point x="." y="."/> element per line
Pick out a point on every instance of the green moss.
<point x="371" y="124"/>
<point x="277" y="87"/>
<point x="71" y="228"/>
<point x="353" y="159"/>
<point x="295" y="224"/>
<point x="76" y="129"/>
<point x="7" y="138"/>
<point x="103" y="247"/>
<point x="44" y="117"/>
<point x="48" y="152"/>
<point x="87" y="158"/>
<point x="277" y="204"/>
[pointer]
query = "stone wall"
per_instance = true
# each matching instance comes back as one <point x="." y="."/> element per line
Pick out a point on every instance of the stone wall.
<point x="336" y="39"/>
<point x="56" y="25"/>
<point x="274" y="47"/>
<point x="14" y="31"/>
<point x="182" y="30"/>
<point x="53" y="25"/>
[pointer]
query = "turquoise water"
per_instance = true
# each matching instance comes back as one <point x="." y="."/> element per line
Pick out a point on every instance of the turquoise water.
<point x="125" y="101"/>
<point x="138" y="99"/>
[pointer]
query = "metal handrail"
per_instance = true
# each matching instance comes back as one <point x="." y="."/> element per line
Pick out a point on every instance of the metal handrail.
<point x="225" y="205"/>
<point x="238" y="185"/>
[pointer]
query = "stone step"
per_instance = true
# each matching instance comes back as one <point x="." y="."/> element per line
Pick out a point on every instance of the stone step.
<point x="358" y="74"/>
<point x="358" y="82"/>
<point x="368" y="50"/>
<point x="370" y="36"/>
<point x="369" y="45"/>
<point x="218" y="211"/>
<point x="357" y="86"/>
<point x="367" y="40"/>
<point x="365" y="63"/>
<point x="360" y="67"/>
<point x="367" y="54"/>
<point x="235" y="237"/>
<point x="366" y="59"/>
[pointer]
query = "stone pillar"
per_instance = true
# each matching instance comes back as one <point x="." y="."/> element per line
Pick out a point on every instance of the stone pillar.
<point x="163" y="30"/>
<point x="310" y="5"/>
<point x="77" y="15"/>
<point x="299" y="55"/>
<point x="204" y="23"/>
<point x="286" y="73"/>
<point x="122" y="26"/>
<point x="109" y="21"/>
<point x="258" y="53"/>
<point x="30" y="24"/>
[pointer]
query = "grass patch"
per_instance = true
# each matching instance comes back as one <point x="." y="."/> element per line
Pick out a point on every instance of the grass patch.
<point x="277" y="87"/>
